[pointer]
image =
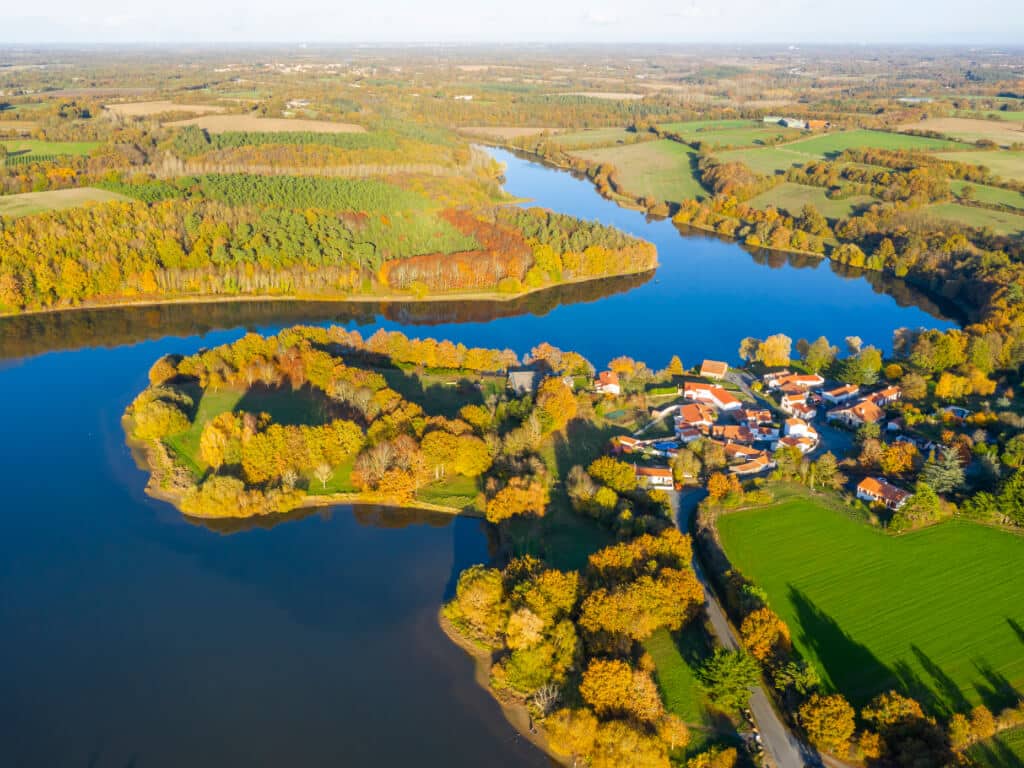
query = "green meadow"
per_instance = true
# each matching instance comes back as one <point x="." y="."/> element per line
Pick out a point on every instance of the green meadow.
<point x="937" y="612"/>
<point x="990" y="195"/>
<point x="1000" y="222"/>
<point x="662" y="169"/>
<point x="792" y="197"/>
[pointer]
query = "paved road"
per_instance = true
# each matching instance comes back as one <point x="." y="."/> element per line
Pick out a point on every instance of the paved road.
<point x="782" y="748"/>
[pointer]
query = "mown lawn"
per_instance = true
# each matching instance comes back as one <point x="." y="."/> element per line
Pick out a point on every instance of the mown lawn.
<point x="29" y="203"/>
<point x="990" y="195"/>
<point x="19" y="147"/>
<point x="937" y="612"/>
<point x="792" y="197"/>
<point x="661" y="169"/>
<point x="1000" y="222"/>
<point x="1003" y="751"/>
<point x="676" y="659"/>
<point x="456" y="491"/>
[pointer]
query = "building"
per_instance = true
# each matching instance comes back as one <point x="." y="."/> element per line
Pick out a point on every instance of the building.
<point x="607" y="383"/>
<point x="754" y="417"/>
<point x="877" y="490"/>
<point x="799" y="428"/>
<point x="804" y="411"/>
<point x="626" y="444"/>
<point x="841" y="394"/>
<point x="863" y="412"/>
<point x="697" y="415"/>
<point x="735" y="452"/>
<point x="803" y="444"/>
<point x="770" y="380"/>
<point x="792" y="122"/>
<point x="654" y="477"/>
<point x="760" y="463"/>
<point x="707" y="393"/>
<point x="523" y="381"/>
<point x="790" y="402"/>
<point x="887" y="396"/>
<point x="713" y="369"/>
<point x="732" y="433"/>
<point x="818" y="125"/>
<point x="800" y="381"/>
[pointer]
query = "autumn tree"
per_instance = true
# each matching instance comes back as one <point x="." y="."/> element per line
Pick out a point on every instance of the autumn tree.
<point x="611" y="686"/>
<point x="619" y="744"/>
<point x="479" y="607"/>
<point x="829" y="723"/>
<point x="571" y="732"/>
<point x="519" y="497"/>
<point x="556" y="404"/>
<point x="617" y="475"/>
<point x="728" y="677"/>
<point x="764" y="634"/>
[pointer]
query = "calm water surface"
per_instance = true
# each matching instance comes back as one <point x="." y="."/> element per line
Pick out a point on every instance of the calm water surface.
<point x="129" y="636"/>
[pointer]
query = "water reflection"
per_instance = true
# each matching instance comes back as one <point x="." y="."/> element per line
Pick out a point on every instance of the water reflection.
<point x="370" y="515"/>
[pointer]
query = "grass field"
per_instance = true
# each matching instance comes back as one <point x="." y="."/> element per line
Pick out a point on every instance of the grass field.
<point x="991" y="195"/>
<point x="598" y="137"/>
<point x="1002" y="132"/>
<point x="225" y="123"/>
<point x="1003" y="751"/>
<point x="503" y="131"/>
<point x="1009" y="165"/>
<point x="661" y="169"/>
<point x="37" y="202"/>
<point x="831" y="144"/>
<point x="937" y="612"/>
<point x="455" y="491"/>
<point x="676" y="659"/>
<point x="730" y="133"/>
<point x="1000" y="222"/>
<point x="23" y="147"/>
<point x="765" y="160"/>
<point x="792" y="197"/>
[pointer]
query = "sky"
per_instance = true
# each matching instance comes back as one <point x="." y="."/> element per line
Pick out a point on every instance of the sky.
<point x="991" y="22"/>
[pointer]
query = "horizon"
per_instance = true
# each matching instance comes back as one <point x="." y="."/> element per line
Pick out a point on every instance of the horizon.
<point x="448" y="22"/>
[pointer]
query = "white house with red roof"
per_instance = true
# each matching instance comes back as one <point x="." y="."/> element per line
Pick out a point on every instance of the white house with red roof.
<point x="713" y="369"/>
<point x="878" y="490"/>
<point x="607" y="383"/>
<point x="654" y="477"/>
<point x="708" y="393"/>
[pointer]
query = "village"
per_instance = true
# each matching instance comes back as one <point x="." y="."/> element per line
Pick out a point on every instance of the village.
<point x="719" y="407"/>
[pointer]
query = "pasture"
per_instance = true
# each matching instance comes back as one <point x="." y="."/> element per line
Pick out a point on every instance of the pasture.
<point x="225" y="123"/>
<point x="597" y="137"/>
<point x="676" y="659"/>
<point x="792" y="197"/>
<point x="731" y="133"/>
<point x="990" y="195"/>
<point x="147" y="108"/>
<point x="936" y="612"/>
<point x="29" y="148"/>
<point x="39" y="202"/>
<point x="663" y="169"/>
<point x="765" y="160"/>
<point x="1009" y="165"/>
<point x="503" y="131"/>
<point x="1002" y="132"/>
<point x="1000" y="222"/>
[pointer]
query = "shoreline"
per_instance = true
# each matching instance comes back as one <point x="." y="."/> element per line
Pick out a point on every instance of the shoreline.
<point x="389" y="298"/>
<point x="515" y="711"/>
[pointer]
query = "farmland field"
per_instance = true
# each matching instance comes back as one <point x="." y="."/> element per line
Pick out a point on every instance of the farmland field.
<point x="1002" y="132"/>
<point x="145" y="108"/>
<point x="599" y="137"/>
<point x="730" y="133"/>
<point x="17" y="126"/>
<point x="991" y="195"/>
<point x="936" y="612"/>
<point x="1003" y="751"/>
<point x="1009" y="165"/>
<point x="55" y="200"/>
<point x="793" y="197"/>
<point x="503" y="131"/>
<point x="1000" y="222"/>
<point x="765" y="160"/>
<point x="224" y="123"/>
<point x="662" y="169"/>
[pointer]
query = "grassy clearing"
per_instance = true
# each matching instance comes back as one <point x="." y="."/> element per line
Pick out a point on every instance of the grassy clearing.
<point x="832" y="144"/>
<point x="1003" y="751"/>
<point x="991" y="195"/>
<point x="1000" y="222"/>
<point x="33" y="147"/>
<point x="1009" y="165"/>
<point x="792" y="197"/>
<point x="39" y="202"/>
<point x="456" y="491"/>
<point x="340" y="482"/>
<point x="936" y="612"/>
<point x="676" y="658"/>
<point x="661" y="169"/>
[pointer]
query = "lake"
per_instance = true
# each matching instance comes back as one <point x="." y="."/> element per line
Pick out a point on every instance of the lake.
<point x="130" y="636"/>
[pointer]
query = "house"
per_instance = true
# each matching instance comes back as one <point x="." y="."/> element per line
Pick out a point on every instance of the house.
<point x="773" y="119"/>
<point x="708" y="393"/>
<point x="818" y="125"/>
<point x="804" y="444"/>
<point x="626" y="444"/>
<point x="654" y="477"/>
<point x="770" y="380"/>
<point x="790" y="402"/>
<point x="799" y="428"/>
<point x="687" y="435"/>
<point x="802" y="381"/>
<point x="863" y="412"/>
<point x="758" y="464"/>
<point x="607" y="383"/>
<point x="523" y="381"/>
<point x="753" y="417"/>
<point x="841" y="394"/>
<point x="713" y="369"/>
<point x="792" y="122"/>
<point x="879" y="490"/>
<point x="887" y="396"/>
<point x="804" y="411"/>
<point x="766" y="433"/>
<point x="734" y="452"/>
<point x="732" y="433"/>
<point x="696" y="415"/>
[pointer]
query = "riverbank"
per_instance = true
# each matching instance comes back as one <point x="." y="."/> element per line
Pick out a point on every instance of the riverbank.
<point x="376" y="298"/>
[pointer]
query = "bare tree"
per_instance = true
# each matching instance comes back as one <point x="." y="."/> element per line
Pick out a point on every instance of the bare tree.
<point x="323" y="473"/>
<point x="546" y="697"/>
<point x="289" y="478"/>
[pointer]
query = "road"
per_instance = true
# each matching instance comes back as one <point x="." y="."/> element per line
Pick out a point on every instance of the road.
<point x="782" y="748"/>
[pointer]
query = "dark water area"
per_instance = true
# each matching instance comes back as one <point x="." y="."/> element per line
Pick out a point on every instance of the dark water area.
<point x="130" y="636"/>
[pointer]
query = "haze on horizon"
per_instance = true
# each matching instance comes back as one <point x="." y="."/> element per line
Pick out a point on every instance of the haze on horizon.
<point x="939" y="22"/>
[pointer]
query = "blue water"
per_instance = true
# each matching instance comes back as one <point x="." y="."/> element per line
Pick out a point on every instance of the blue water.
<point x="129" y="636"/>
